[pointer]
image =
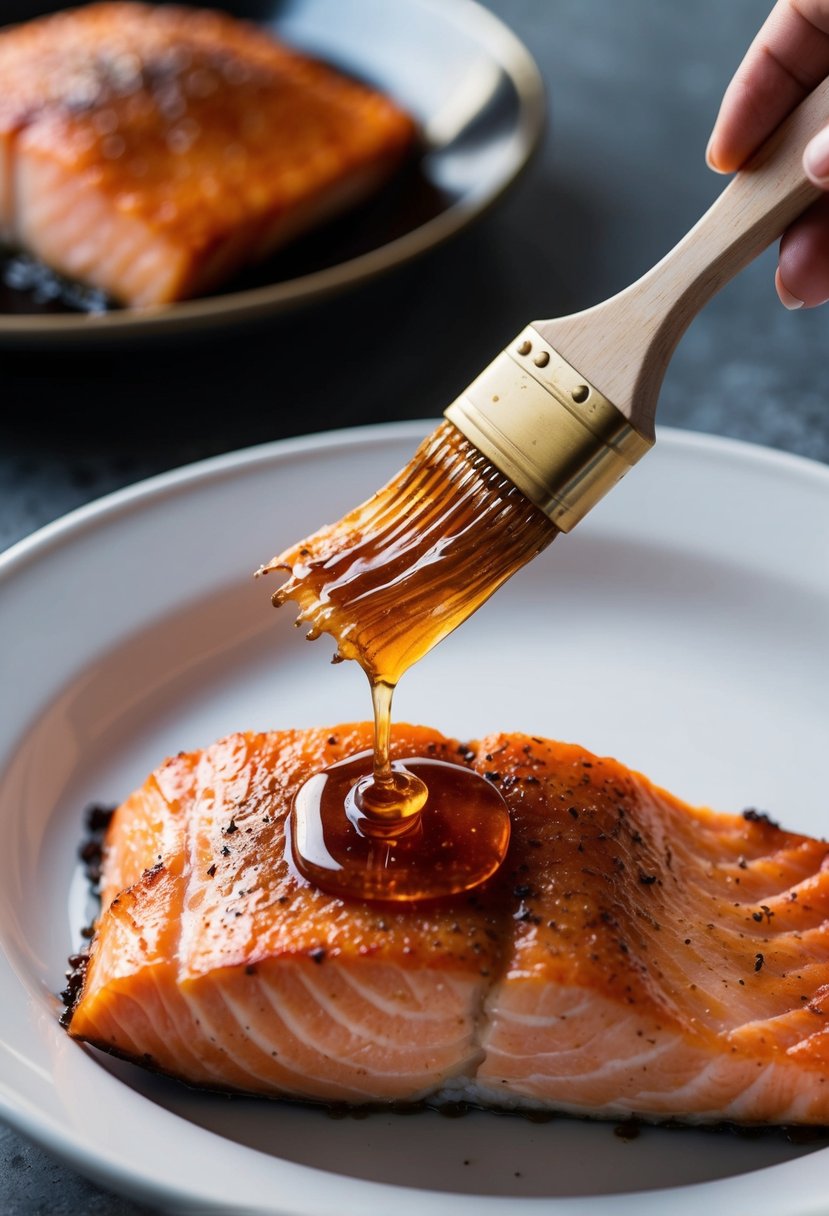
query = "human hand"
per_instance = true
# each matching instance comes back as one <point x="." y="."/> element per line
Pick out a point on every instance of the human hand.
<point x="787" y="60"/>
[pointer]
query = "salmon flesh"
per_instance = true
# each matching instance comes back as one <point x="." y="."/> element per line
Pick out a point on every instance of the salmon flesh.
<point x="150" y="151"/>
<point x="633" y="957"/>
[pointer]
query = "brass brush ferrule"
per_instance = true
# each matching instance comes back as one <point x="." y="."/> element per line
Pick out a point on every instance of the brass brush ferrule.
<point x="540" y="423"/>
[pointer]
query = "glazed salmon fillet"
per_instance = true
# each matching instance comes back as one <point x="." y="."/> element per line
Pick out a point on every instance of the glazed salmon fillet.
<point x="633" y="957"/>
<point x="150" y="151"/>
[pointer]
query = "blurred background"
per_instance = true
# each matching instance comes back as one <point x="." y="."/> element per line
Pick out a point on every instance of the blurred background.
<point x="633" y="87"/>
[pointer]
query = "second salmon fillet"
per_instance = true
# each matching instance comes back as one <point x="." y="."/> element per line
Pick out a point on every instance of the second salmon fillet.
<point x="634" y="956"/>
<point x="151" y="150"/>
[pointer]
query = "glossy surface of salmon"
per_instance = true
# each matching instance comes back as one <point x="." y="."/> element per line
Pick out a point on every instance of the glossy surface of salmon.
<point x="151" y="150"/>
<point x="634" y="956"/>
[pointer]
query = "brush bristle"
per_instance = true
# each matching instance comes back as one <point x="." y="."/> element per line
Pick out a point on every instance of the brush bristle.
<point x="396" y="575"/>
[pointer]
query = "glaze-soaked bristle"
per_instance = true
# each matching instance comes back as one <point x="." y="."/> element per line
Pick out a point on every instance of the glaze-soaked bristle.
<point x="400" y="572"/>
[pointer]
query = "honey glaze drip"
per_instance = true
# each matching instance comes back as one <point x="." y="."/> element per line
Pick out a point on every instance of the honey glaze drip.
<point x="388" y="796"/>
<point x="388" y="582"/>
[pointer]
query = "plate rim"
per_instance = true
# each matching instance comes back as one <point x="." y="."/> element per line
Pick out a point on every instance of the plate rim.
<point x="272" y="299"/>
<point x="63" y="1139"/>
<point x="372" y="434"/>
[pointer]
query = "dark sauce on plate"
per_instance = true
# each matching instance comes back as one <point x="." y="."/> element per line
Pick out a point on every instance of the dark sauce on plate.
<point x="628" y="1130"/>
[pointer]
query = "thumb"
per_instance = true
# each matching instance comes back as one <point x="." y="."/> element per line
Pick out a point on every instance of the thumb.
<point x="804" y="257"/>
<point x="816" y="159"/>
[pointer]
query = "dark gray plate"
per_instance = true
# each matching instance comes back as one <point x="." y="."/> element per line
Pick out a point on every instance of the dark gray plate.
<point x="469" y="82"/>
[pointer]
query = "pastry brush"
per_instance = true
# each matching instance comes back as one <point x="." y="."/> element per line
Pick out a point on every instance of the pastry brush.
<point x="542" y="434"/>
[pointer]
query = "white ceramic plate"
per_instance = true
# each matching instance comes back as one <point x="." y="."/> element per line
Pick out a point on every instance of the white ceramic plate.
<point x="477" y="97"/>
<point x="684" y="628"/>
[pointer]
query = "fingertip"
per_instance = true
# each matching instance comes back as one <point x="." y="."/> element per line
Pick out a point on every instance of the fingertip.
<point x="711" y="155"/>
<point x="803" y="265"/>
<point x="723" y="155"/>
<point x="816" y="159"/>
<point x="712" y="164"/>
<point x="788" y="300"/>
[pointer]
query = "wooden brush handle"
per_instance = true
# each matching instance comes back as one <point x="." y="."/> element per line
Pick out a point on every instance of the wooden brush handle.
<point x="623" y="346"/>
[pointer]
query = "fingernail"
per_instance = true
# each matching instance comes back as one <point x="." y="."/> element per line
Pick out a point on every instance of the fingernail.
<point x="786" y="298"/>
<point x="816" y="158"/>
<point x="709" y="160"/>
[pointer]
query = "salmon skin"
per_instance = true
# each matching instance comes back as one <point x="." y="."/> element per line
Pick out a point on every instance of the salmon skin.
<point x="150" y="151"/>
<point x="633" y="957"/>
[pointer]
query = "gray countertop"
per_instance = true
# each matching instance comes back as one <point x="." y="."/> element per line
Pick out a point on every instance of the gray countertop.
<point x="634" y="86"/>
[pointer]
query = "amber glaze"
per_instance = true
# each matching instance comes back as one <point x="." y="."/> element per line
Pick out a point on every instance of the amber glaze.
<point x="454" y="840"/>
<point x="396" y="575"/>
<point x="389" y="581"/>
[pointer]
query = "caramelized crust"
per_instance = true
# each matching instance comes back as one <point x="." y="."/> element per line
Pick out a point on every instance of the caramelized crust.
<point x="633" y="956"/>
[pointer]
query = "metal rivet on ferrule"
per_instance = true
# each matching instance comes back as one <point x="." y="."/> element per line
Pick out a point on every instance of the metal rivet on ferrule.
<point x="525" y="348"/>
<point x="580" y="393"/>
<point x="542" y="359"/>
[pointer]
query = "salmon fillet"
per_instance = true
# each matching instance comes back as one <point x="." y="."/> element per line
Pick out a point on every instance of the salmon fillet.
<point x="633" y="957"/>
<point x="150" y="151"/>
